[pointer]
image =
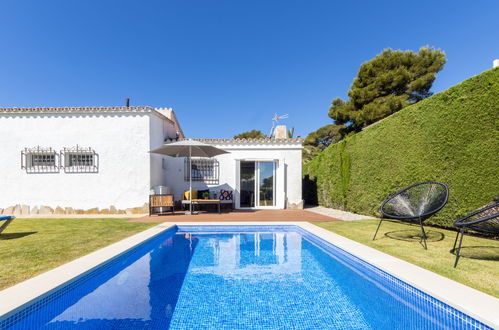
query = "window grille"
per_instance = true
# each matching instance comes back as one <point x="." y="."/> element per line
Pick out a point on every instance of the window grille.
<point x="39" y="160"/>
<point x="203" y="169"/>
<point x="80" y="160"/>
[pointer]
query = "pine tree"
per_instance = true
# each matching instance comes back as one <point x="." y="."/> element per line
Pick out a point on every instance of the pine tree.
<point x="253" y="134"/>
<point x="321" y="139"/>
<point x="391" y="81"/>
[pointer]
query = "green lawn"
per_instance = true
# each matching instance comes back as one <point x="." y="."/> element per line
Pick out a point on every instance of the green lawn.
<point x="33" y="246"/>
<point x="478" y="268"/>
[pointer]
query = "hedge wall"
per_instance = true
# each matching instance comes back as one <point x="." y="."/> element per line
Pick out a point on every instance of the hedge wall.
<point x="452" y="137"/>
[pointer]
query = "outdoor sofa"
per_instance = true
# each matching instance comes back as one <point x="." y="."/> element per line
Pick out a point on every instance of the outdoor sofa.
<point x="218" y="198"/>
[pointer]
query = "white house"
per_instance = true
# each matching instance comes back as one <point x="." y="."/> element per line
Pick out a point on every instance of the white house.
<point x="262" y="173"/>
<point x="97" y="160"/>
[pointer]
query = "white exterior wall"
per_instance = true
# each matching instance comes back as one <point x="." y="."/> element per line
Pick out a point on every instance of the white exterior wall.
<point x="159" y="130"/>
<point x="121" y="140"/>
<point x="288" y="171"/>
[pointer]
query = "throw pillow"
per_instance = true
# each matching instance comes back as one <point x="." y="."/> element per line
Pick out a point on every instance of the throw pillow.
<point x="188" y="192"/>
<point x="225" y="195"/>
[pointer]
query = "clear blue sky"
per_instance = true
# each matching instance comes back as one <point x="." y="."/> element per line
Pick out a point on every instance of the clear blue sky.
<point x="226" y="66"/>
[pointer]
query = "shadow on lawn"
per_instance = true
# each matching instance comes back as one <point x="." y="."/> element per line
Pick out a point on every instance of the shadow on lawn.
<point x="412" y="235"/>
<point x="16" y="235"/>
<point x="479" y="252"/>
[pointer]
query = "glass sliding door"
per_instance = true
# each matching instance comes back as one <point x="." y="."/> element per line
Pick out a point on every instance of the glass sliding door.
<point x="266" y="191"/>
<point x="257" y="184"/>
<point x="247" y="184"/>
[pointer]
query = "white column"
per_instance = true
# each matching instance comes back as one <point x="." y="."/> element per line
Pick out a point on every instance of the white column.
<point x="237" y="186"/>
<point x="280" y="184"/>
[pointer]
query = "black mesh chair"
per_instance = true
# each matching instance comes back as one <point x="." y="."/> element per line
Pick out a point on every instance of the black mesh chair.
<point x="414" y="204"/>
<point x="485" y="221"/>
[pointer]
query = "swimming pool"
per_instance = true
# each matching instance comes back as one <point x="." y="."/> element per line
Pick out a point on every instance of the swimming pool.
<point x="237" y="277"/>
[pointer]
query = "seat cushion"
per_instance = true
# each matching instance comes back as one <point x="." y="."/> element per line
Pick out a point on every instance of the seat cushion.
<point x="188" y="193"/>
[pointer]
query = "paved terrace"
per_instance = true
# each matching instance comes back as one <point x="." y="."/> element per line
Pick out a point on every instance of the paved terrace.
<point x="239" y="215"/>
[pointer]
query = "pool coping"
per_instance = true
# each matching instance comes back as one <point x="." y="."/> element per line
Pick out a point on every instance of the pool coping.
<point x="472" y="302"/>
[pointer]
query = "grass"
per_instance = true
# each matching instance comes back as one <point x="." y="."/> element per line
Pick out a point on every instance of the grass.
<point x="33" y="246"/>
<point x="480" y="272"/>
<point x="450" y="137"/>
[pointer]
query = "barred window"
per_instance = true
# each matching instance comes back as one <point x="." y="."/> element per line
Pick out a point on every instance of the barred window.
<point x="80" y="160"/>
<point x="203" y="169"/>
<point x="39" y="160"/>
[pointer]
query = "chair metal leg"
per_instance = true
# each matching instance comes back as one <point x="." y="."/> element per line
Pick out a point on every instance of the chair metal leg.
<point x="423" y="237"/>
<point x="5" y="224"/>
<point x="455" y="242"/>
<point x="379" y="224"/>
<point x="458" y="253"/>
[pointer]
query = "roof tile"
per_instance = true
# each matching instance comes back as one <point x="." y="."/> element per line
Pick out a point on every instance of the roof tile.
<point x="76" y="109"/>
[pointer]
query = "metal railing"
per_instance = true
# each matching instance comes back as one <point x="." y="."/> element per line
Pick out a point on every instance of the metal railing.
<point x="40" y="160"/>
<point x="47" y="160"/>
<point x="79" y="160"/>
<point x="206" y="170"/>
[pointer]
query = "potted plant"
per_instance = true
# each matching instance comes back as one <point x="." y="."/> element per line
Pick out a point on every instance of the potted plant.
<point x="206" y="195"/>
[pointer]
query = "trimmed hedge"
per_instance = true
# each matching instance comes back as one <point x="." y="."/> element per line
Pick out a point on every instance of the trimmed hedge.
<point x="452" y="137"/>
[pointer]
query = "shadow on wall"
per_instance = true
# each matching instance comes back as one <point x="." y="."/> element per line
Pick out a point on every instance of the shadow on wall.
<point x="309" y="188"/>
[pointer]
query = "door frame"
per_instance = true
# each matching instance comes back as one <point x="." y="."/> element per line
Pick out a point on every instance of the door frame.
<point x="257" y="183"/>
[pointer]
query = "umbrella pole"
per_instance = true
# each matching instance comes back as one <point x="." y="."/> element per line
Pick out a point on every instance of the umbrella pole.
<point x="190" y="179"/>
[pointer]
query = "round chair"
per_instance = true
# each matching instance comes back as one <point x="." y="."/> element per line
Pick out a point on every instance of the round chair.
<point x="485" y="221"/>
<point x="414" y="204"/>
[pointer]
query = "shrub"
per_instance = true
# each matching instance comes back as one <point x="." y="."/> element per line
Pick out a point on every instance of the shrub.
<point x="450" y="137"/>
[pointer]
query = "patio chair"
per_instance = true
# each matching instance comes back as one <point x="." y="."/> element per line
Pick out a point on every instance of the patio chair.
<point x="8" y="219"/>
<point x="485" y="221"/>
<point x="414" y="204"/>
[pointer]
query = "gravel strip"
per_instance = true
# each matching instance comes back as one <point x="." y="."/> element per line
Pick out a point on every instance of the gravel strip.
<point x="338" y="214"/>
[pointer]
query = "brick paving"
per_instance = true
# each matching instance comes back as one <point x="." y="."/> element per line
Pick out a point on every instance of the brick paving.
<point x="240" y="215"/>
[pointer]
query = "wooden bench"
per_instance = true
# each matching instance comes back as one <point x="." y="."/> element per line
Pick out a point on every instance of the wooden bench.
<point x="156" y="201"/>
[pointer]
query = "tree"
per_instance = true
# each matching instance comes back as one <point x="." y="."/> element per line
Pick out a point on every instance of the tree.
<point x="253" y="134"/>
<point x="321" y="139"/>
<point x="391" y="81"/>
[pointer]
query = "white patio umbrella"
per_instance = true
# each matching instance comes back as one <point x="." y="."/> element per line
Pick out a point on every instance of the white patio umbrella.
<point x="188" y="148"/>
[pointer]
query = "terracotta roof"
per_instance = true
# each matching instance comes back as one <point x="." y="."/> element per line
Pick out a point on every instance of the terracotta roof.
<point x="166" y="113"/>
<point x="76" y="109"/>
<point x="266" y="141"/>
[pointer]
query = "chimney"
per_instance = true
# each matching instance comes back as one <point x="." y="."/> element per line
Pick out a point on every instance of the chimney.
<point x="127" y="102"/>
<point x="495" y="64"/>
<point x="280" y="132"/>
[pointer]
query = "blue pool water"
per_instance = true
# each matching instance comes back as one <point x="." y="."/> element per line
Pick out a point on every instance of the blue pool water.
<point x="230" y="277"/>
